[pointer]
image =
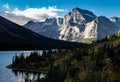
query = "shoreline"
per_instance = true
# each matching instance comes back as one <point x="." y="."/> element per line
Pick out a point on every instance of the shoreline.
<point x="29" y="70"/>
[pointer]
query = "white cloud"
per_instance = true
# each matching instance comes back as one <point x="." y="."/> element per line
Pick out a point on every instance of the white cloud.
<point x="37" y="14"/>
<point x="6" y="6"/>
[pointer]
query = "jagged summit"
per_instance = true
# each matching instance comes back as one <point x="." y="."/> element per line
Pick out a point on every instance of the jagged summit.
<point x="115" y="20"/>
<point x="15" y="37"/>
<point x="105" y="27"/>
<point x="102" y="19"/>
<point x="79" y="24"/>
<point x="88" y="15"/>
<point x="78" y="15"/>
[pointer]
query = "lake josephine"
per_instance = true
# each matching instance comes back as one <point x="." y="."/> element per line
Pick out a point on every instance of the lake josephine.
<point x="7" y="75"/>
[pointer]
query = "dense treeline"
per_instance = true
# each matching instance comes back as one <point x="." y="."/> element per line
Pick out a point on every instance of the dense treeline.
<point x="34" y="61"/>
<point x="98" y="62"/>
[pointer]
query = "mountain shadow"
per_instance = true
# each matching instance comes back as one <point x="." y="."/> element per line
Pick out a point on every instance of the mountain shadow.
<point x="15" y="37"/>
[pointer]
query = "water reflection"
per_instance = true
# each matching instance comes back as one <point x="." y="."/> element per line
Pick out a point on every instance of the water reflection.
<point x="8" y="75"/>
<point x="29" y="76"/>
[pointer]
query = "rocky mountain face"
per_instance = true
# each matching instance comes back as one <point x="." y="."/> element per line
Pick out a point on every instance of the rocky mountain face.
<point x="15" y="37"/>
<point x="105" y="27"/>
<point x="78" y="25"/>
<point x="115" y="20"/>
<point x="47" y="28"/>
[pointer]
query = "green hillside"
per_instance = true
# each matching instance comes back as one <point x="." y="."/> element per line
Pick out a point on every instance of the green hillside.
<point x="97" y="62"/>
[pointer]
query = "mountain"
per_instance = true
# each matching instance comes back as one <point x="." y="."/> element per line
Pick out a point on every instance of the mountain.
<point x="99" y="28"/>
<point x="47" y="28"/>
<point x="105" y="27"/>
<point x="74" y="24"/>
<point x="78" y="16"/>
<point x="70" y="27"/>
<point x="15" y="37"/>
<point x="115" y="20"/>
<point x="78" y="25"/>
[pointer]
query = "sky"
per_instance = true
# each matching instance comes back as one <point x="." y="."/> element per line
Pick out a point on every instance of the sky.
<point x="21" y="11"/>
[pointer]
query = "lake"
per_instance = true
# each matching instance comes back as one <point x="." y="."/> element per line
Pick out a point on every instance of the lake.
<point x="7" y="75"/>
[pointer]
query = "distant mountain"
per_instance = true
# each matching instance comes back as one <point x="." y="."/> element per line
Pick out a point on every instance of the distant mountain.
<point x="78" y="25"/>
<point x="115" y="20"/>
<point x="15" y="37"/>
<point x="47" y="28"/>
<point x="99" y="28"/>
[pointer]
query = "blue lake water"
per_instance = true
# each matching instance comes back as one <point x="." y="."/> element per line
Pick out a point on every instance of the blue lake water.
<point x="6" y="75"/>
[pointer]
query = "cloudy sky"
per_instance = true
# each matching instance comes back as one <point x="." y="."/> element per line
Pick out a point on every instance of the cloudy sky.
<point x="21" y="11"/>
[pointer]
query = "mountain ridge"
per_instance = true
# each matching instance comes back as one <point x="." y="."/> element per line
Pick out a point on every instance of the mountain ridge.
<point x="15" y="37"/>
<point x="78" y="25"/>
